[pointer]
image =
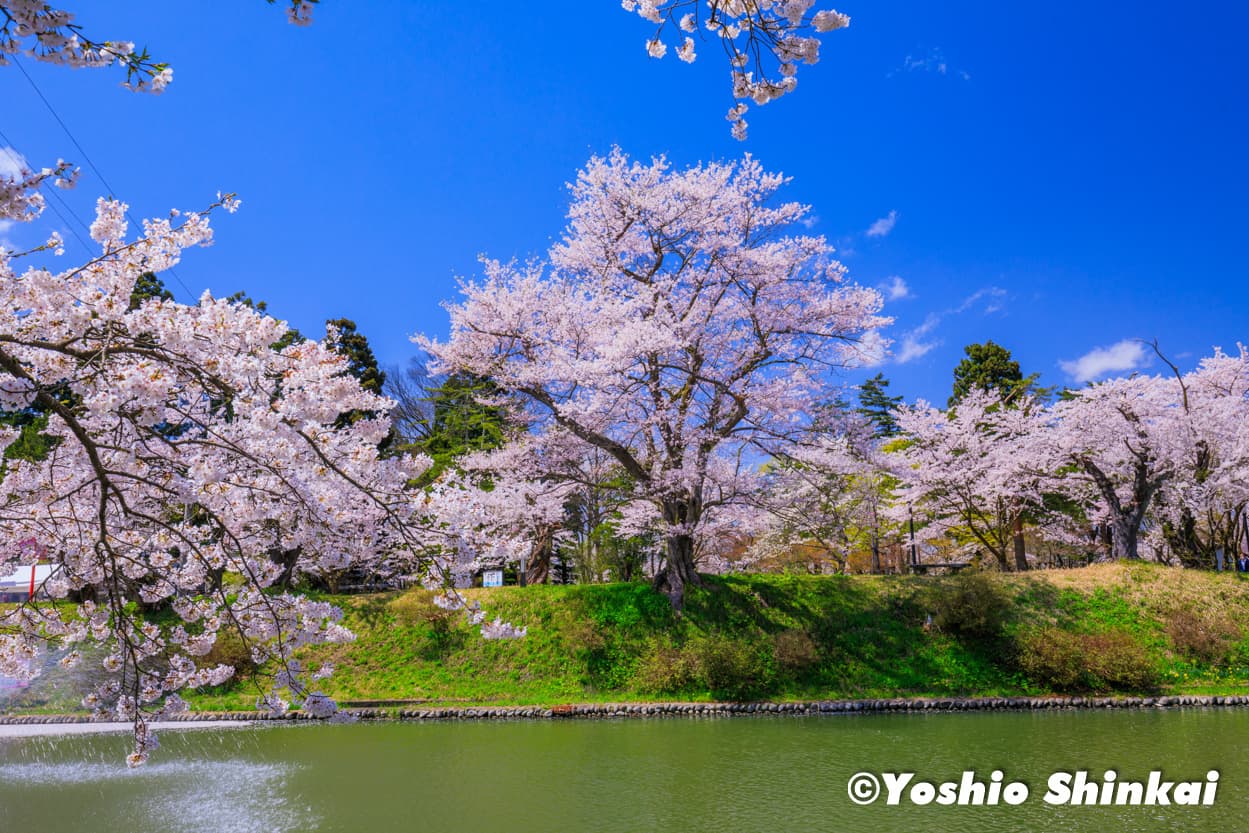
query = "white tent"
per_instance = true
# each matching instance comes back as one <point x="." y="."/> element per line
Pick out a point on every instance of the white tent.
<point x="25" y="577"/>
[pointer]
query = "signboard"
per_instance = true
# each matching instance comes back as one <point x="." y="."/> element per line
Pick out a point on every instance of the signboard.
<point x="492" y="578"/>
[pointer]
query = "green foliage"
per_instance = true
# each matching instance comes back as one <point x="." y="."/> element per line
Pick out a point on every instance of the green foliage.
<point x="348" y="341"/>
<point x="32" y="444"/>
<point x="878" y="407"/>
<point x="1113" y="660"/>
<point x="972" y="604"/>
<point x="1105" y="628"/>
<point x="450" y="418"/>
<point x="666" y="669"/>
<point x="1203" y="635"/>
<point x="733" y="669"/>
<point x="989" y="367"/>
<point x="148" y="286"/>
<point x="229" y="649"/>
<point x="794" y="651"/>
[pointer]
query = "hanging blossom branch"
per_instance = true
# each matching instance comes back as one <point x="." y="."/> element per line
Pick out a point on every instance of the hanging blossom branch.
<point x="183" y="447"/>
<point x="36" y="29"/>
<point x="20" y="199"/>
<point x="50" y="35"/>
<point x="764" y="40"/>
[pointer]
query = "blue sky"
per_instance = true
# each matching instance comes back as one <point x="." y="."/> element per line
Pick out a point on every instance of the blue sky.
<point x="1058" y="179"/>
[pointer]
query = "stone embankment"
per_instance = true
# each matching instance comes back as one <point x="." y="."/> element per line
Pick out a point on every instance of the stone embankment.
<point x="639" y="710"/>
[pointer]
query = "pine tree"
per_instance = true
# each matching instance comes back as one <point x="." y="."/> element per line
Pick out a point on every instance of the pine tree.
<point x="878" y="407"/>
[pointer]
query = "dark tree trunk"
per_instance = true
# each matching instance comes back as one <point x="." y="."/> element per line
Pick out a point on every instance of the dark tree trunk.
<point x="288" y="559"/>
<point x="682" y="513"/>
<point x="1021" y="555"/>
<point x="1125" y="519"/>
<point x="1003" y="563"/>
<point x="1184" y="541"/>
<point x="679" y="572"/>
<point x="538" y="570"/>
<point x="875" y="554"/>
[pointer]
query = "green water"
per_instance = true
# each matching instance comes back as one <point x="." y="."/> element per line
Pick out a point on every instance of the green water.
<point x="717" y="775"/>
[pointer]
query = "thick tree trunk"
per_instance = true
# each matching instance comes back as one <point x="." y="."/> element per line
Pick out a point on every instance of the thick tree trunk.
<point x="1125" y="519"/>
<point x="1123" y="535"/>
<point x="538" y="570"/>
<point x="681" y="513"/>
<point x="1017" y="541"/>
<point x="679" y="572"/>
<point x="1003" y="563"/>
<point x="875" y="554"/>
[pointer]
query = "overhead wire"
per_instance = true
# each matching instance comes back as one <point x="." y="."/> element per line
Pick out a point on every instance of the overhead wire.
<point x="87" y="158"/>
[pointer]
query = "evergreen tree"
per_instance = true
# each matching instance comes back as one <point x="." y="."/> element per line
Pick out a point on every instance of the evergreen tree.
<point x="445" y="418"/>
<point x="361" y="362"/>
<point x="149" y="285"/>
<point x="989" y="367"/>
<point x="878" y="407"/>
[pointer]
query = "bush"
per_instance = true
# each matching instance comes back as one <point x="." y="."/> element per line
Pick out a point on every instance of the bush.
<point x="665" y="669"/>
<point x="1065" y="661"/>
<point x="229" y="649"/>
<point x="731" y="669"/>
<point x="416" y="608"/>
<point x="1202" y="636"/>
<point x="794" y="651"/>
<point x="973" y="604"/>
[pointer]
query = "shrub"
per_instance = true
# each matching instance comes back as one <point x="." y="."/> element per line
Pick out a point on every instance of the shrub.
<point x="1108" y="660"/>
<point x="973" y="604"/>
<point x="731" y="669"/>
<point x="665" y="669"/>
<point x="229" y="649"/>
<point x="1203" y="636"/>
<point x="794" y="650"/>
<point x="416" y="607"/>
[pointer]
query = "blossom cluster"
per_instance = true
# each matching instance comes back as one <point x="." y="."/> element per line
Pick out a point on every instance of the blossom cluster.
<point x="765" y="41"/>
<point x="184" y="443"/>
<point x="679" y="326"/>
<point x="1140" y="457"/>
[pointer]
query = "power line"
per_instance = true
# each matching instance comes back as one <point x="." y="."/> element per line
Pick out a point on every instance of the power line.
<point x="87" y="158"/>
<point x="52" y="193"/>
<point x="18" y="162"/>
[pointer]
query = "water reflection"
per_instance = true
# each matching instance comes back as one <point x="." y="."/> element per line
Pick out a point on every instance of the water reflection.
<point x="771" y="775"/>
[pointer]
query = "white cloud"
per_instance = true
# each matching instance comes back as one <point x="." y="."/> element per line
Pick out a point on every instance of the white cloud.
<point x="12" y="163"/>
<point x="1125" y="355"/>
<point x="912" y="349"/>
<point x="915" y="343"/>
<point x="895" y="289"/>
<point x="884" y="225"/>
<point x="872" y="349"/>
<point x="934" y="62"/>
<point x="993" y="296"/>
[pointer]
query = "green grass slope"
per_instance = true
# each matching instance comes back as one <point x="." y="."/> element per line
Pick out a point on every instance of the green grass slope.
<point x="1132" y="628"/>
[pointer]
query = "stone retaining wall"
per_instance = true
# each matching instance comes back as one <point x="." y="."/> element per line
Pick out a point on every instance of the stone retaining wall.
<point x="620" y="710"/>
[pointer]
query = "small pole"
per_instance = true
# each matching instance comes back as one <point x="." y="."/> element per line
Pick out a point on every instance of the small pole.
<point x="910" y="512"/>
<point x="32" y="579"/>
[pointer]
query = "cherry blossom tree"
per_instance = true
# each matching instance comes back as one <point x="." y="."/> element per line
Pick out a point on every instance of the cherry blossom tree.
<point x="764" y="40"/>
<point x="967" y="471"/>
<point x="679" y="325"/>
<point x="1112" y="446"/>
<point x="182" y="445"/>
<point x="506" y="505"/>
<point x="1201" y="506"/>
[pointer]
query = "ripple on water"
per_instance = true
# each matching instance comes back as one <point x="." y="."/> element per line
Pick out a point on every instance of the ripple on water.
<point x="185" y="796"/>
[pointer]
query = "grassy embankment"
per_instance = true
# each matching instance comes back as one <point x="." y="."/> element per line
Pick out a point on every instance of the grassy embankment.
<point x="1131" y="628"/>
